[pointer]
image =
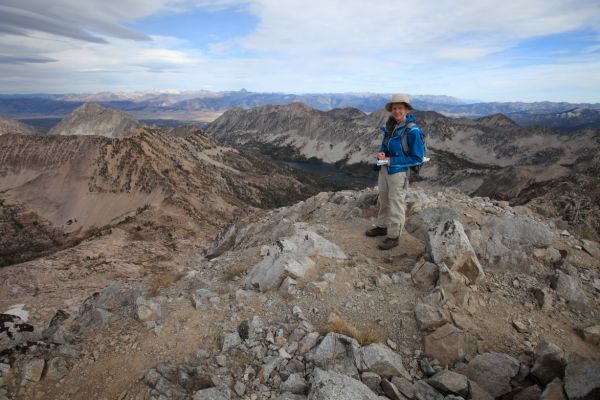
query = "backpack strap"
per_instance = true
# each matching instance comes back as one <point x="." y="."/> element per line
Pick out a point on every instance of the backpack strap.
<point x="404" y="137"/>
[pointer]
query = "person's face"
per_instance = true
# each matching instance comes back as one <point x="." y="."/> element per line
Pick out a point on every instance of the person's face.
<point x="399" y="111"/>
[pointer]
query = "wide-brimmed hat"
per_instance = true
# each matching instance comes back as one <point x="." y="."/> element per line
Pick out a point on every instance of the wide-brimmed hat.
<point x="399" y="98"/>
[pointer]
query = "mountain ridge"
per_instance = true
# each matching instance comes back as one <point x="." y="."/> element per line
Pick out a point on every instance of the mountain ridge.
<point x="299" y="123"/>
<point x="206" y="106"/>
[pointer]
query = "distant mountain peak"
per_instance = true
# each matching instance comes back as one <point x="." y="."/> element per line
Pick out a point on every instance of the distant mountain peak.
<point x="497" y="119"/>
<point x="94" y="119"/>
<point x="90" y="107"/>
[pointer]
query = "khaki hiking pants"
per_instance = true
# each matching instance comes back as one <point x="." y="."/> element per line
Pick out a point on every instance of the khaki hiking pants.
<point x="392" y="205"/>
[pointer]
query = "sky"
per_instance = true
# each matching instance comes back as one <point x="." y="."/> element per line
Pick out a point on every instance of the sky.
<point x="488" y="50"/>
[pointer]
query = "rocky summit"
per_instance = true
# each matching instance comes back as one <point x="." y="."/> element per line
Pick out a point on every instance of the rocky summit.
<point x="93" y="119"/>
<point x="481" y="300"/>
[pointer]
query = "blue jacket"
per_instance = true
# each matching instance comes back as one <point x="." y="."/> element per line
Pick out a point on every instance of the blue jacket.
<point x="399" y="162"/>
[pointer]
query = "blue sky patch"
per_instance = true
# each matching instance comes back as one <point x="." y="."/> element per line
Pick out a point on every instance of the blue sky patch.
<point x="199" y="27"/>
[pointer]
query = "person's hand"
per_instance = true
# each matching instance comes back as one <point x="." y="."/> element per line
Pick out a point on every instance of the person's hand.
<point x="381" y="155"/>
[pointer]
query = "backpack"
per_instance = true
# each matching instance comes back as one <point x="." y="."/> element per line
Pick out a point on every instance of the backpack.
<point x="415" y="168"/>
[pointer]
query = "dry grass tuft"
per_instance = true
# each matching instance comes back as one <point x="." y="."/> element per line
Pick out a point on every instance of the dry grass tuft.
<point x="370" y="336"/>
<point x="343" y="327"/>
<point x="339" y="325"/>
<point x="158" y="282"/>
<point x="234" y="272"/>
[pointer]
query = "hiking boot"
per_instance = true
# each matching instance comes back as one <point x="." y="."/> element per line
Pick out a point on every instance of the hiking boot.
<point x="377" y="231"/>
<point x="388" y="243"/>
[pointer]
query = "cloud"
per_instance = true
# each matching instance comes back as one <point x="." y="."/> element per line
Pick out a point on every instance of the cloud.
<point x="82" y="20"/>
<point x="463" y="48"/>
<point x="24" y="60"/>
<point x="423" y="29"/>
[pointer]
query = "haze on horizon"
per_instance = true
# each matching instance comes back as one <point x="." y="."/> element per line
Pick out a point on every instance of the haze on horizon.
<point x="485" y="50"/>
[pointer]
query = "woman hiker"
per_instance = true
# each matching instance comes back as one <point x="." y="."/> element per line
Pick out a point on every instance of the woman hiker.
<point x="393" y="175"/>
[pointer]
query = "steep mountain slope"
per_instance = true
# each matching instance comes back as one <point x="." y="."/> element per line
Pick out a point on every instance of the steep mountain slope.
<point x="8" y="125"/>
<point x="93" y="119"/>
<point x="83" y="182"/>
<point x="306" y="132"/>
<point x="348" y="136"/>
